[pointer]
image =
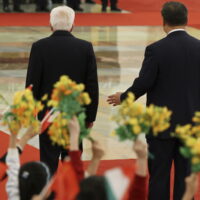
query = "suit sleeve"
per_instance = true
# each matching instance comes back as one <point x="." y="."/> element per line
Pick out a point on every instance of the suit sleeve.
<point x="91" y="85"/>
<point x="34" y="72"/>
<point x="147" y="76"/>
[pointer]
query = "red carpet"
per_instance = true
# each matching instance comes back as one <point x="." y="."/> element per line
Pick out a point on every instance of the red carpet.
<point x="92" y="19"/>
<point x="31" y="154"/>
<point x="141" y="13"/>
<point x="155" y="5"/>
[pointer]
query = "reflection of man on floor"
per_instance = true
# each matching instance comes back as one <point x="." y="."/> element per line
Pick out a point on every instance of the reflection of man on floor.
<point x="16" y="6"/>
<point x="170" y="76"/>
<point x="61" y="54"/>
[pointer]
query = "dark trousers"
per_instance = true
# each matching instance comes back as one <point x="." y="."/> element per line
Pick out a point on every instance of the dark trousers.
<point x="165" y="151"/>
<point x="49" y="153"/>
<point x="41" y="4"/>
<point x="16" y="3"/>
<point x="113" y="3"/>
<point x="74" y="4"/>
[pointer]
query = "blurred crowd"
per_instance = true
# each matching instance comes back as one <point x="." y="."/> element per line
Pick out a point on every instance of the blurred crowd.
<point x="46" y="5"/>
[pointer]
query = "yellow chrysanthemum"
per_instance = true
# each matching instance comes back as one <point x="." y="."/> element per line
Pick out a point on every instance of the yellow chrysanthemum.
<point x="134" y="115"/>
<point x="23" y="111"/>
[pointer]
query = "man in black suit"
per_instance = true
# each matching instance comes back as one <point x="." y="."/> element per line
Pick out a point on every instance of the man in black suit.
<point x="170" y="76"/>
<point x="16" y="6"/>
<point x="57" y="55"/>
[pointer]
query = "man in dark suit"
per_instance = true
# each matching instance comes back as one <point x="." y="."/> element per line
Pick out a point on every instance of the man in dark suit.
<point x="170" y="76"/>
<point x="62" y="54"/>
<point x="16" y="6"/>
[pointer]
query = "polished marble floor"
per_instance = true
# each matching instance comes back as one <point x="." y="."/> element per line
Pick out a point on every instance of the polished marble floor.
<point x="119" y="52"/>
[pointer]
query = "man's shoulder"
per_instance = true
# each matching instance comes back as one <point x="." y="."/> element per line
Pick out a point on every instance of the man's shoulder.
<point x="157" y="43"/>
<point x="192" y="38"/>
<point x="72" y="41"/>
<point x="82" y="42"/>
<point x="41" y="41"/>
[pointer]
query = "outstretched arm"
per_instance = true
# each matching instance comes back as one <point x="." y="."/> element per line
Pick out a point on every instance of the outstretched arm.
<point x="97" y="154"/>
<point x="13" y="163"/>
<point x="191" y="186"/>
<point x="139" y="184"/>
<point x="74" y="153"/>
<point x="143" y="83"/>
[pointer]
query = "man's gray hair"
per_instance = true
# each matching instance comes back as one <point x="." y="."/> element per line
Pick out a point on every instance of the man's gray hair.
<point x="62" y="18"/>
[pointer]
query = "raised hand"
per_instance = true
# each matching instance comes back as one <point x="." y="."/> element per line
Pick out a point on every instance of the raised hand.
<point x="98" y="153"/>
<point x="97" y="150"/>
<point x="140" y="149"/>
<point x="30" y="133"/>
<point x="74" y="130"/>
<point x="191" y="186"/>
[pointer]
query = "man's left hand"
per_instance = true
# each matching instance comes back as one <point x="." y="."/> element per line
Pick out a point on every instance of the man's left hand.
<point x="114" y="99"/>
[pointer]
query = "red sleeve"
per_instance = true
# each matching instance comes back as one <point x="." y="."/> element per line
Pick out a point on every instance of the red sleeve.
<point x="138" y="188"/>
<point x="3" y="168"/>
<point x="75" y="157"/>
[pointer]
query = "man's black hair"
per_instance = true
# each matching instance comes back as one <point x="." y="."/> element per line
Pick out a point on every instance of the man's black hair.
<point x="174" y="14"/>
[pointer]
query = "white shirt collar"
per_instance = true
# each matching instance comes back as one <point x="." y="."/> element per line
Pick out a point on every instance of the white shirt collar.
<point x="174" y="30"/>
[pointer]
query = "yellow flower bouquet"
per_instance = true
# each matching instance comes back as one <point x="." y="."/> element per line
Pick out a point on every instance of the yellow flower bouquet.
<point x="69" y="99"/>
<point x="134" y="119"/>
<point x="190" y="137"/>
<point x="23" y="112"/>
<point x="58" y="131"/>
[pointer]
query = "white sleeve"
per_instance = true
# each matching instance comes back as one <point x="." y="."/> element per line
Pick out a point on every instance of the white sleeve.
<point x="13" y="163"/>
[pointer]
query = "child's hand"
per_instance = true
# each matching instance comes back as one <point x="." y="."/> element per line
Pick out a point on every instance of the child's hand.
<point x="140" y="149"/>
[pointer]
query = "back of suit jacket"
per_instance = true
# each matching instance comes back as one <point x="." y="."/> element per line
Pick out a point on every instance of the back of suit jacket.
<point x="63" y="54"/>
<point x="170" y="76"/>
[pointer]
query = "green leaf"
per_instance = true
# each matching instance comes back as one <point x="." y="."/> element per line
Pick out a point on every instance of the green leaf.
<point x="125" y="133"/>
<point x="185" y="151"/>
<point x="84" y="130"/>
<point x="196" y="168"/>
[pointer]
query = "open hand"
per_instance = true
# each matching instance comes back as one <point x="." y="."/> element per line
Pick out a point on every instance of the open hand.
<point x="114" y="99"/>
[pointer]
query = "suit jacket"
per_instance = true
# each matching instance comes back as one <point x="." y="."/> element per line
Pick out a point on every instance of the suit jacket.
<point x="170" y="75"/>
<point x="63" y="54"/>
